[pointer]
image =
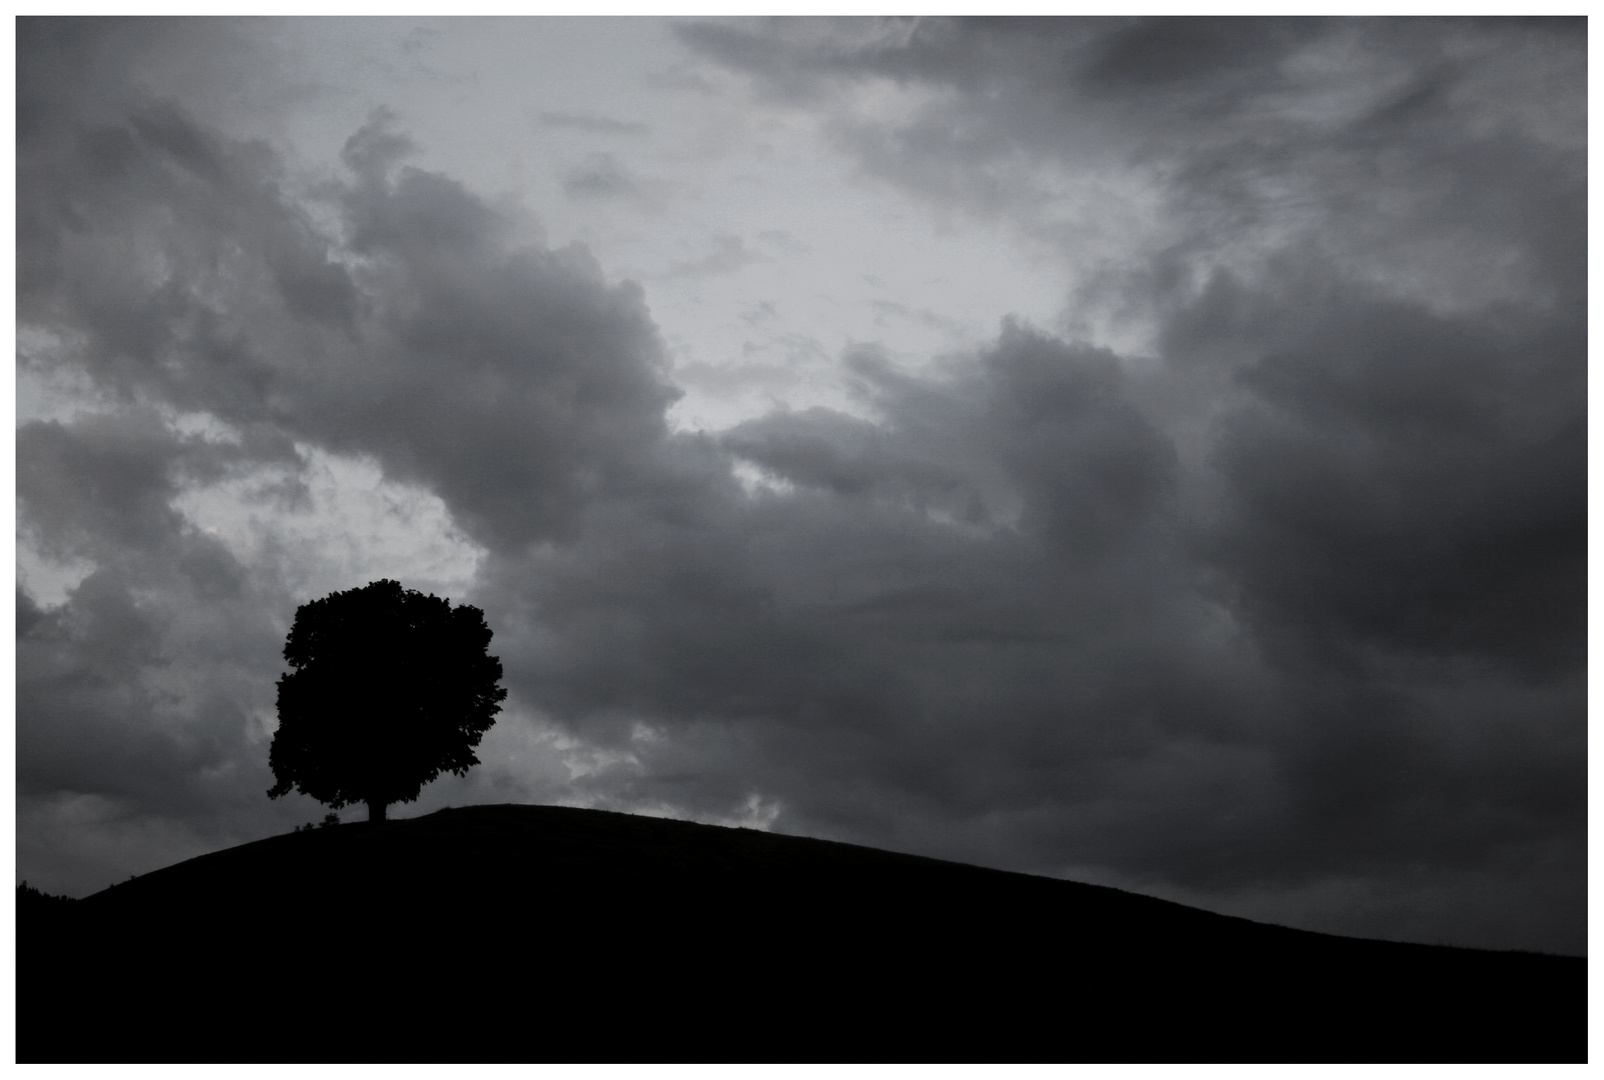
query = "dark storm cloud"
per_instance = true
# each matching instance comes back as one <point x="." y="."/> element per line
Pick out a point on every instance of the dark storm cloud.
<point x="131" y="694"/>
<point x="1400" y="480"/>
<point x="1217" y="59"/>
<point x="516" y="380"/>
<point x="95" y="725"/>
<point x="1444" y="150"/>
<point x="1370" y="274"/>
<point x="965" y="628"/>
<point x="1287" y="612"/>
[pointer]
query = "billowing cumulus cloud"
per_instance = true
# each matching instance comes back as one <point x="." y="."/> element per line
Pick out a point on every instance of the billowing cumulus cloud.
<point x="1273" y="602"/>
<point x="381" y="317"/>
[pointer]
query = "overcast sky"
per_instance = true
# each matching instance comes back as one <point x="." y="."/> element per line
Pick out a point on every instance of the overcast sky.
<point x="1143" y="453"/>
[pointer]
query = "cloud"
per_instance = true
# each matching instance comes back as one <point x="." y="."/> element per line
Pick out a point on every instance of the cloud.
<point x="600" y="176"/>
<point x="1280" y="613"/>
<point x="516" y="380"/>
<point x="1361" y="291"/>
<point x="729" y="255"/>
<point x="987" y="619"/>
<point x="1216" y="57"/>
<point x="1399" y="479"/>
<point x="918" y="638"/>
<point x="379" y="315"/>
<point x="1441" y="156"/>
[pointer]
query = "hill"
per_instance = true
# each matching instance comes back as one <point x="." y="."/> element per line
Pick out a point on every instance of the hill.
<point x="526" y="933"/>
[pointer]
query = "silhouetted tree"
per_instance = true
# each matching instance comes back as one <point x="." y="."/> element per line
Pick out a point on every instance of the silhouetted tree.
<point x="390" y="689"/>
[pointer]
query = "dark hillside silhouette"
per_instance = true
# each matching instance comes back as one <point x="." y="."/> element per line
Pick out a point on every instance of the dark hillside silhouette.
<point x="41" y="909"/>
<point x="544" y="933"/>
<point x="390" y="689"/>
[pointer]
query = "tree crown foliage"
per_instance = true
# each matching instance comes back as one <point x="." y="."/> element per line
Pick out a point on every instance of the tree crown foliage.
<point x="390" y="688"/>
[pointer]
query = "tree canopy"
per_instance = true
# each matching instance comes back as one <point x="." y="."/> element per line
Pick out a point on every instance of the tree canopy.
<point x="390" y="688"/>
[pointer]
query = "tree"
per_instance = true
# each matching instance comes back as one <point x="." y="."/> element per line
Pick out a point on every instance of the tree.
<point x="390" y="689"/>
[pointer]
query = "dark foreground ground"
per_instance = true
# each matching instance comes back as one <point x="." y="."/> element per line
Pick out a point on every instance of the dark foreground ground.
<point x="523" y="933"/>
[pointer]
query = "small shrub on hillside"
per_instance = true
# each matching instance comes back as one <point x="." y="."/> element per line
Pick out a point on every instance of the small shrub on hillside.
<point x="32" y="899"/>
<point x="328" y="821"/>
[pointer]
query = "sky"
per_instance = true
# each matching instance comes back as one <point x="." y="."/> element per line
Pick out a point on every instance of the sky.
<point x="1141" y="452"/>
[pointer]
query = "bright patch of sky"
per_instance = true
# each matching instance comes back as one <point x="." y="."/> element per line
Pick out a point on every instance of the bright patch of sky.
<point x="336" y="524"/>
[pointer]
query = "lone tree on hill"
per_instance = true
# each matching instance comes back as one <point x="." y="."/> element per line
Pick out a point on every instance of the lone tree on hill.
<point x="390" y="689"/>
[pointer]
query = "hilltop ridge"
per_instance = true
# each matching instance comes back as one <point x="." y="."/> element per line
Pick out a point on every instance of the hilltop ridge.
<point x="550" y="933"/>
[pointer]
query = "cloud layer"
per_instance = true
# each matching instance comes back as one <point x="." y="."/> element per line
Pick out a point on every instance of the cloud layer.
<point x="1277" y="608"/>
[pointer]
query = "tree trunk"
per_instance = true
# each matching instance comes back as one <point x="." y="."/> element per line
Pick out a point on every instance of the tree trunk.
<point x="376" y="812"/>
